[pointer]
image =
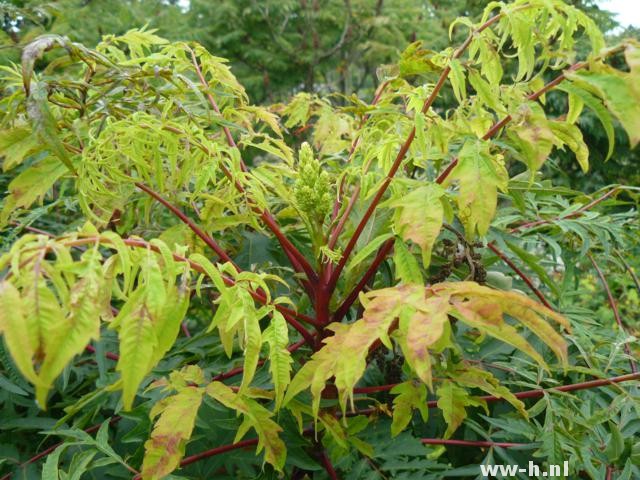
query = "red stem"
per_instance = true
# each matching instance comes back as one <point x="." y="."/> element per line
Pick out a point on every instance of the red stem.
<point x="211" y="243"/>
<point x="520" y="273"/>
<point x="328" y="466"/>
<point x="614" y="309"/>
<point x="401" y="154"/>
<point x="300" y="263"/>
<point x="575" y="214"/>
<point x="343" y="219"/>
<point x="375" y="389"/>
<point x="537" y="393"/>
<point x="630" y="270"/>
<point x="109" y="355"/>
<point x="368" y="275"/>
<point x="217" y="451"/>
<point x="472" y="443"/>
<point x="609" y="475"/>
<point x="185" y="330"/>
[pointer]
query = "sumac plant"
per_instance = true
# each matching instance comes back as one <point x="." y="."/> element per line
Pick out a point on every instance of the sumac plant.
<point x="322" y="287"/>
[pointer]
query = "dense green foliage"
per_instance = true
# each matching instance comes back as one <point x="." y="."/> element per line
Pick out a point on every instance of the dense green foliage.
<point x="344" y="286"/>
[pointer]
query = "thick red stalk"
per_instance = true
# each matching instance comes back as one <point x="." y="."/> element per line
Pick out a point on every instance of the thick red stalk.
<point x="328" y="466"/>
<point x="614" y="308"/>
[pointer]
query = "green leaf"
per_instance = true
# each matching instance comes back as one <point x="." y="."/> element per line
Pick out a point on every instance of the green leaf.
<point x="44" y="125"/>
<point x="165" y="448"/>
<point x="371" y="247"/>
<point x="277" y="337"/>
<point x="137" y="345"/>
<point x="407" y="269"/>
<point x="452" y="400"/>
<point x="418" y="217"/>
<point x="615" y="446"/>
<point x="621" y="95"/>
<point x="480" y="176"/>
<point x="256" y="417"/>
<point x="419" y="330"/>
<point x="409" y="396"/>
<point x="571" y="136"/>
<point x="15" y="145"/>
<point x="12" y="325"/>
<point x="82" y="326"/>
<point x="597" y="107"/>
<point x="252" y="343"/>
<point x="30" y="185"/>
<point x="457" y="80"/>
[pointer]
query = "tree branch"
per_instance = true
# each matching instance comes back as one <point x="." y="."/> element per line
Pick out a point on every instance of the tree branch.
<point x="211" y="243"/>
<point x="402" y="153"/>
<point x="614" y="309"/>
<point x="342" y="310"/>
<point x="300" y="263"/>
<point x="521" y="274"/>
<point x="472" y="443"/>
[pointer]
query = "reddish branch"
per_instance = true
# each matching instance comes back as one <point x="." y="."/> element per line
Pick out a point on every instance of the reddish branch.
<point x="402" y="153"/>
<point x="328" y="466"/>
<point x="537" y="393"/>
<point x="298" y="261"/>
<point x="614" y="308"/>
<point x="575" y="214"/>
<point x="520" y="273"/>
<point x="344" y="307"/>
<point x="211" y="243"/>
<point x="354" y="196"/>
<point x="471" y="443"/>
<point x="630" y="270"/>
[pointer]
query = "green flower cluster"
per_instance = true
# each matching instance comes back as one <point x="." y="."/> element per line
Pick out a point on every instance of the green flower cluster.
<point x="312" y="190"/>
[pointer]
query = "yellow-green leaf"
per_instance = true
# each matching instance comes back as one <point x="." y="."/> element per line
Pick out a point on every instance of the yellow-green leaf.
<point x="165" y="448"/>
<point x="418" y="217"/>
<point x="480" y="176"/>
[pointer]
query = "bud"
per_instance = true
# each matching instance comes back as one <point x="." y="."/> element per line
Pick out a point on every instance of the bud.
<point x="312" y="190"/>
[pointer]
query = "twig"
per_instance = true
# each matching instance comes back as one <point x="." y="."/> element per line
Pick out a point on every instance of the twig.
<point x="301" y="262"/>
<point x="521" y="274"/>
<point x="190" y="223"/>
<point x="328" y="466"/>
<point x="614" y="309"/>
<point x="472" y="443"/>
<point x="402" y="153"/>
